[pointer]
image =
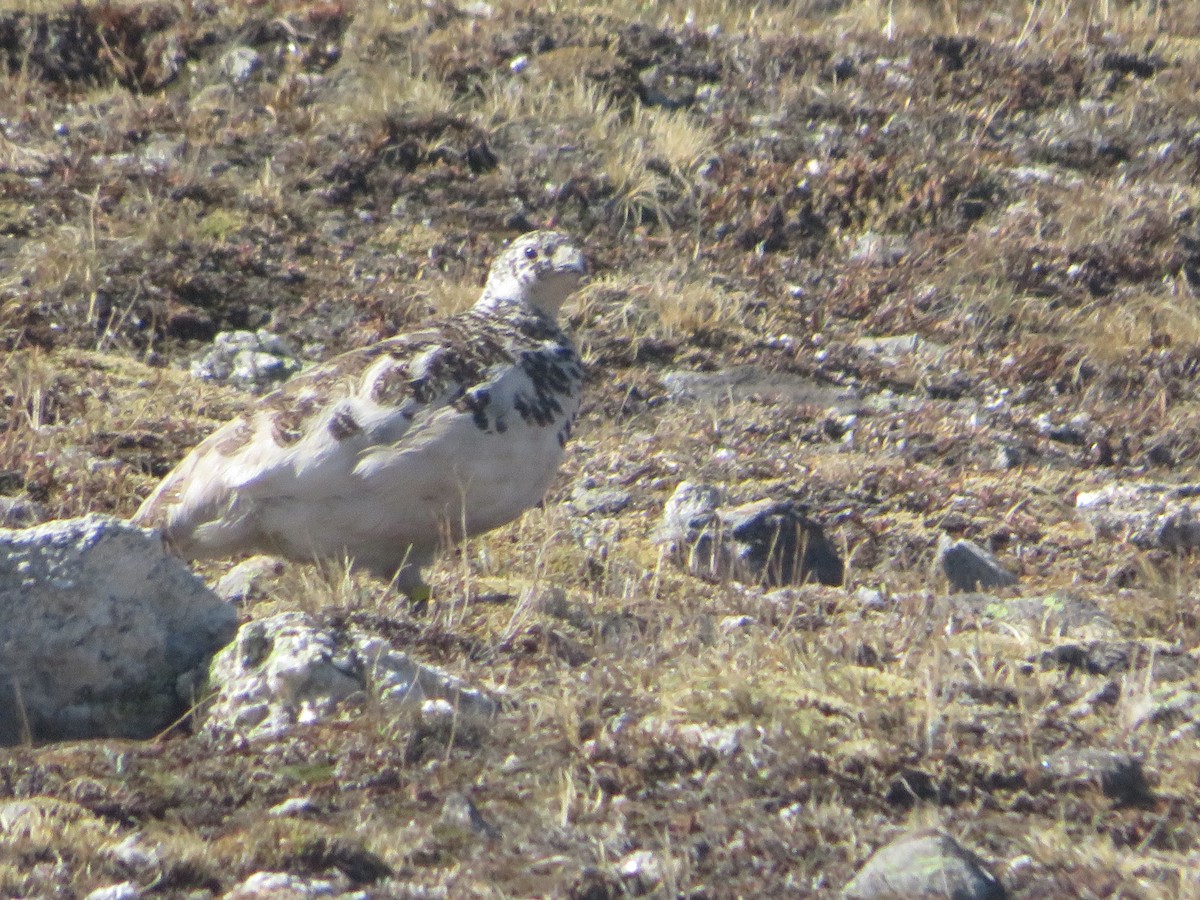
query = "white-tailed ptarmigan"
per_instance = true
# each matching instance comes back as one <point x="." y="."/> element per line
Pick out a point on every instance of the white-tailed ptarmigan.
<point x="383" y="454"/>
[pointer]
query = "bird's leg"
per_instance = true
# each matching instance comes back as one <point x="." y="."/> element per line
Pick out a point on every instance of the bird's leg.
<point x="418" y="597"/>
<point x="407" y="580"/>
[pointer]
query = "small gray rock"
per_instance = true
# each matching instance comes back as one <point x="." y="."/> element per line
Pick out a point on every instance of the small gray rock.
<point x="240" y="64"/>
<point x="924" y="864"/>
<point x="893" y="346"/>
<point x="730" y="624"/>
<point x="161" y="154"/>
<point x="599" y="501"/>
<point x="137" y="854"/>
<point x="20" y="512"/>
<point x="645" y="871"/>
<point x="1008" y="456"/>
<point x="99" y="627"/>
<point x="768" y="542"/>
<point x="243" y="583"/>
<point x="293" y="806"/>
<point x="670" y="90"/>
<point x="248" y="359"/>
<point x="691" y="508"/>
<point x="871" y="599"/>
<point x="969" y="567"/>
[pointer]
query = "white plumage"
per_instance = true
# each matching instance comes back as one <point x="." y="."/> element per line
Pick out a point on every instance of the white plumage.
<point x="383" y="454"/>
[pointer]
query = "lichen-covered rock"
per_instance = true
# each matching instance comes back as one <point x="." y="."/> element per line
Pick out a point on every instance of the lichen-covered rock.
<point x="769" y="542"/>
<point x="1146" y="514"/>
<point x="288" y="670"/>
<point x="924" y="864"/>
<point x="102" y="633"/>
<point x="248" y="359"/>
<point x="1118" y="775"/>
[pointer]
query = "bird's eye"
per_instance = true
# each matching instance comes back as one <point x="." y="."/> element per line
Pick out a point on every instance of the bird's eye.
<point x="531" y="252"/>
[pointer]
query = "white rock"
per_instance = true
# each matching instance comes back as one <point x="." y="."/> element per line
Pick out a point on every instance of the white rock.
<point x="126" y="890"/>
<point x="292" y="806"/>
<point x="282" y="886"/>
<point x="136" y="853"/>
<point x="99" y="627"/>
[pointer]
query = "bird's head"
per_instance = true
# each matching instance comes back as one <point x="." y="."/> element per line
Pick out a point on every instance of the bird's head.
<point x="538" y="270"/>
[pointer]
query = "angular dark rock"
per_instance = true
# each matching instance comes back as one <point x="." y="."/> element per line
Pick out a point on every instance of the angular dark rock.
<point x="969" y="567"/>
<point x="770" y="542"/>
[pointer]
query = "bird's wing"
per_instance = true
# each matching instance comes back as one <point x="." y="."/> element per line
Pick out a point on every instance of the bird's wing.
<point x="305" y="440"/>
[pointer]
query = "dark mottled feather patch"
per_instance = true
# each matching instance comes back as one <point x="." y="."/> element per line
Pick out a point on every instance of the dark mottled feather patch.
<point x="287" y="424"/>
<point x="391" y="387"/>
<point x="342" y="425"/>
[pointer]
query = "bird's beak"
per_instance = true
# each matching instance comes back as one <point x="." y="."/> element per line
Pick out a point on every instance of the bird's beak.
<point x="570" y="259"/>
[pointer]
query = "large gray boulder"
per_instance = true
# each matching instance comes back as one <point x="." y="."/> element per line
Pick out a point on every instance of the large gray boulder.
<point x="924" y="864"/>
<point x="769" y="542"/>
<point x="102" y="633"/>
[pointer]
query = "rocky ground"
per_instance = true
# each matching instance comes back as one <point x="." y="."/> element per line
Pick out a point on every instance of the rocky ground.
<point x="928" y="270"/>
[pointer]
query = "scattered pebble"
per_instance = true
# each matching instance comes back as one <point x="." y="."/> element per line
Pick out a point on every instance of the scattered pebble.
<point x="239" y="64"/>
<point x="293" y="806"/>
<point x="126" y="890"/>
<point x="461" y="813"/>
